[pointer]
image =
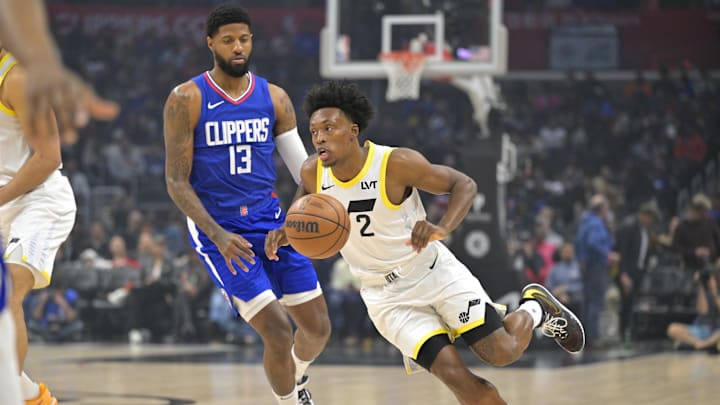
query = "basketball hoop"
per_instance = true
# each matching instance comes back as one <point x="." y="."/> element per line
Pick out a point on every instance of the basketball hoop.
<point x="404" y="69"/>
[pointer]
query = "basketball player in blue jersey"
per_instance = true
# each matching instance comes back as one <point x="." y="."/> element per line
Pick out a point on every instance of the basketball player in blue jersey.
<point x="221" y="128"/>
<point x="418" y="295"/>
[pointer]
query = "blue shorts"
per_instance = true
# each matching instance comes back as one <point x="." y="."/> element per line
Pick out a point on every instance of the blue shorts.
<point x="701" y="331"/>
<point x="292" y="274"/>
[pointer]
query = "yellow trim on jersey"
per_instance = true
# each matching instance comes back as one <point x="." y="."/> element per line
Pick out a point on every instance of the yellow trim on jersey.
<point x="383" y="187"/>
<point x="318" y="180"/>
<point x="5" y="109"/>
<point x="471" y="325"/>
<point x="425" y="338"/>
<point x="355" y="180"/>
<point x="45" y="274"/>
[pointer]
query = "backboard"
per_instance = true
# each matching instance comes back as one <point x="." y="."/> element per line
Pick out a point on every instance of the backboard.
<point x="460" y="37"/>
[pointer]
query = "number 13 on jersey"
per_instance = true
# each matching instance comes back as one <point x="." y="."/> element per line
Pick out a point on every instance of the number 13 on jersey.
<point x="240" y="159"/>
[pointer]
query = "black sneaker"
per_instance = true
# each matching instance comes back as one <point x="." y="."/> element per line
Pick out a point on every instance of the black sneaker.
<point x="304" y="397"/>
<point x="559" y="323"/>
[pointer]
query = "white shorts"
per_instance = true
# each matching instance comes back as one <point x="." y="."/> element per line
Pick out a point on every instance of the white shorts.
<point x="9" y="381"/>
<point x="444" y="299"/>
<point x="36" y="224"/>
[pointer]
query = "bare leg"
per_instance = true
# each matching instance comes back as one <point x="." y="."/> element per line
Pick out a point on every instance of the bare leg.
<point x="505" y="345"/>
<point x="468" y="388"/>
<point x="22" y="282"/>
<point x="680" y="333"/>
<point x="275" y="330"/>
<point x="709" y="342"/>
<point x="313" y="328"/>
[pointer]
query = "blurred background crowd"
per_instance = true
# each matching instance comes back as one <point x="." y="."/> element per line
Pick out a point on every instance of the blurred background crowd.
<point x="601" y="164"/>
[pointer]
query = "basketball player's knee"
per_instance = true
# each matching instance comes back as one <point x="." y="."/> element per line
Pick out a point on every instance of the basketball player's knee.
<point x="465" y="385"/>
<point x="453" y="375"/>
<point x="320" y="330"/>
<point x="23" y="281"/>
<point x="673" y="329"/>
<point x="278" y="337"/>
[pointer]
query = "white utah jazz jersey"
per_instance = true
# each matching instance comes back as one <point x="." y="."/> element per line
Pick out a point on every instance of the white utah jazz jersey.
<point x="14" y="150"/>
<point x="379" y="229"/>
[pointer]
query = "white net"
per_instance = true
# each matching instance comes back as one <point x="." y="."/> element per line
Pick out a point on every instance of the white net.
<point x="404" y="70"/>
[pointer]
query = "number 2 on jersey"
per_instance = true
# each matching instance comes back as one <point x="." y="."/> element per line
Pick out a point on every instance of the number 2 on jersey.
<point x="357" y="206"/>
<point x="240" y="159"/>
<point x="366" y="223"/>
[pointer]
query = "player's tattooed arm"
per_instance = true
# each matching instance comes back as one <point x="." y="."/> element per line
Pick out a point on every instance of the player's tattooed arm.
<point x="181" y="114"/>
<point x="285" y="118"/>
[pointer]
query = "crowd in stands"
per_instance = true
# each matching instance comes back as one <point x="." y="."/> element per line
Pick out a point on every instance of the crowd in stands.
<point x="127" y="271"/>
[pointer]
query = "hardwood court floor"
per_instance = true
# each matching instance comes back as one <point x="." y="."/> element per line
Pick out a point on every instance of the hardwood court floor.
<point x="178" y="374"/>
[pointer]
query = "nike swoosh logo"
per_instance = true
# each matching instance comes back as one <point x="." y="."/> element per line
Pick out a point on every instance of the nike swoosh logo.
<point x="432" y="266"/>
<point x="539" y="295"/>
<point x="278" y="212"/>
<point x="211" y="106"/>
<point x="325" y="188"/>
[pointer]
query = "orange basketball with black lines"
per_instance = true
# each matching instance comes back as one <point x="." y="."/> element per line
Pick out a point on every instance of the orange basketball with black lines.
<point x="317" y="226"/>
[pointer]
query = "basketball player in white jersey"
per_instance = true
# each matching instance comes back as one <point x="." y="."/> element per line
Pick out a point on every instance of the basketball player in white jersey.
<point x="418" y="295"/>
<point x="49" y="86"/>
<point x="37" y="206"/>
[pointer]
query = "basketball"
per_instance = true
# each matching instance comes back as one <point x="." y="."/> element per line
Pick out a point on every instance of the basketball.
<point x="317" y="226"/>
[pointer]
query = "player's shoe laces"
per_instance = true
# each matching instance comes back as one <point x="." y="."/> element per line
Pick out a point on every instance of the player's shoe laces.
<point x="304" y="397"/>
<point x="44" y="398"/>
<point x="559" y="323"/>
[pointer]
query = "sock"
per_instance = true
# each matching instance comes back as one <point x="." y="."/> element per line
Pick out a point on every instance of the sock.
<point x="300" y="365"/>
<point x="29" y="389"/>
<point x="289" y="399"/>
<point x="533" y="308"/>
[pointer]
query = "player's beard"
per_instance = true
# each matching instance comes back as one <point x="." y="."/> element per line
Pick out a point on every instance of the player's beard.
<point x="231" y="69"/>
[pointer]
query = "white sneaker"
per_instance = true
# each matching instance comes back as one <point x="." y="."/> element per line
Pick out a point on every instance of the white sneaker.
<point x="135" y="337"/>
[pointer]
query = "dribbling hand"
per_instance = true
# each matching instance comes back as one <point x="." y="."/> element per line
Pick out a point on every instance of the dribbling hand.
<point x="234" y="247"/>
<point x="425" y="232"/>
<point x="273" y="241"/>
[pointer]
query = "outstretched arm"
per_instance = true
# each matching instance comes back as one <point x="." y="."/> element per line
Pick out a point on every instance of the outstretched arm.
<point x="287" y="139"/>
<point x="24" y="30"/>
<point x="408" y="168"/>
<point x="51" y="87"/>
<point x="181" y="114"/>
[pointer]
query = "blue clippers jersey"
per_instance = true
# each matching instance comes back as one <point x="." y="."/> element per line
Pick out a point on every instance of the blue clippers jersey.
<point x="233" y="170"/>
